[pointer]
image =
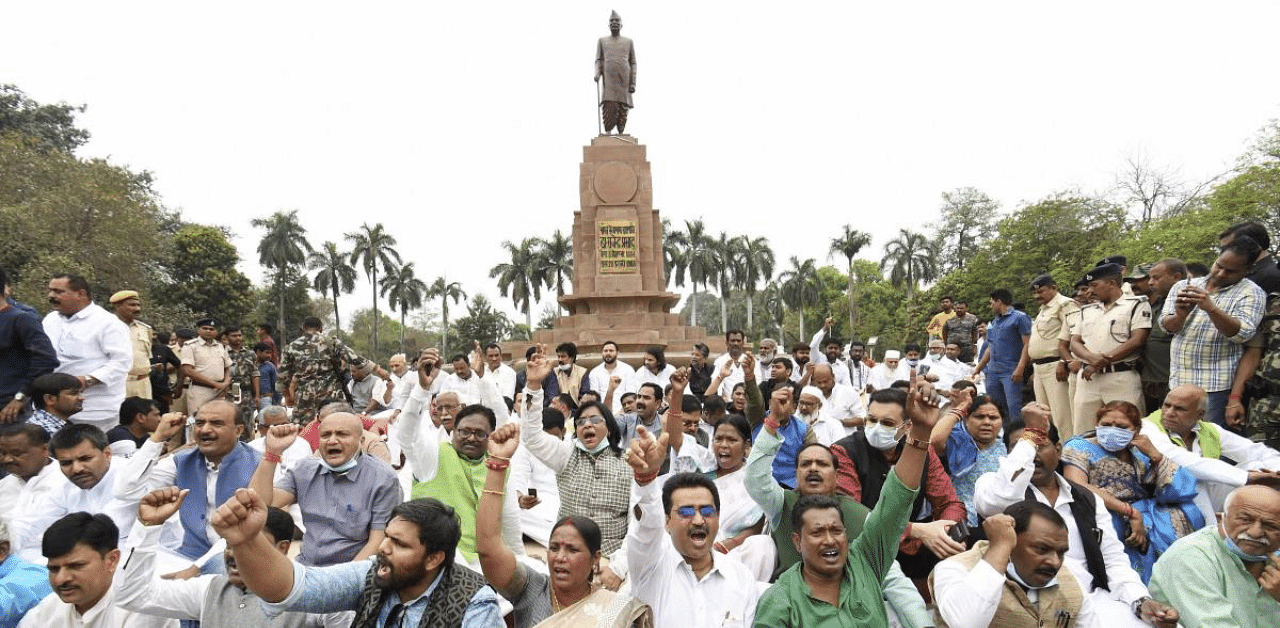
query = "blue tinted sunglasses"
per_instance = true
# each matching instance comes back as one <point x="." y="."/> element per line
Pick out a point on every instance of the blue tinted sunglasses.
<point x="687" y="511"/>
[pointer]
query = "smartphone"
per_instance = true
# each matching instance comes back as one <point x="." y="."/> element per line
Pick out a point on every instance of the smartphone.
<point x="533" y="492"/>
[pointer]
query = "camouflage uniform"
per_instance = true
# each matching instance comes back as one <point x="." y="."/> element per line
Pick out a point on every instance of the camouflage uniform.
<point x="244" y="365"/>
<point x="317" y="363"/>
<point x="1264" y="387"/>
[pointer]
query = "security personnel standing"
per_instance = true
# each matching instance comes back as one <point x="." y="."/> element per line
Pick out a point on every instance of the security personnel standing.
<point x="206" y="366"/>
<point x="127" y="307"/>
<point x="312" y="370"/>
<point x="1049" y="351"/>
<point x="1108" y="339"/>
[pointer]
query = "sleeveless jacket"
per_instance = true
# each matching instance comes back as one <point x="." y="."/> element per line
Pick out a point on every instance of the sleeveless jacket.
<point x="1016" y="609"/>
<point x="234" y="471"/>
<point x="445" y="608"/>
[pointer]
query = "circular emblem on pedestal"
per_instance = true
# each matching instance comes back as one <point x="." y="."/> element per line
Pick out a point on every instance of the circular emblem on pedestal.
<point x="615" y="182"/>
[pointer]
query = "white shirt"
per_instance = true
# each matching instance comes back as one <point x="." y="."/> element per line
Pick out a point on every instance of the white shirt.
<point x="735" y="376"/>
<point x="948" y="371"/>
<point x="662" y="378"/>
<point x="402" y="386"/>
<point x="146" y="471"/>
<point x="468" y="390"/>
<point x="998" y="490"/>
<point x="528" y="472"/>
<point x="299" y="450"/>
<point x="93" y="342"/>
<point x="839" y="368"/>
<point x="505" y="377"/>
<point x="726" y="596"/>
<point x="1214" y="478"/>
<point x="18" y="496"/>
<point x="844" y="403"/>
<point x="881" y="377"/>
<point x="599" y="377"/>
<point x="371" y="387"/>
<point x="969" y="598"/>
<point x="827" y="429"/>
<point x="52" y="612"/>
<point x="28" y="527"/>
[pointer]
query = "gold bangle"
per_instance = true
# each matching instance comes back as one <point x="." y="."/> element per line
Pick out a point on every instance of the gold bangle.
<point x="498" y="493"/>
<point x="922" y="445"/>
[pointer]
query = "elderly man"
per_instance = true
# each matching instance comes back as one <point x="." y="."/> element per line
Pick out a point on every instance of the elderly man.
<point x="835" y="581"/>
<point x="127" y="308"/>
<point x="1049" y="350"/>
<point x="82" y="454"/>
<point x="1228" y="575"/>
<point x="83" y="552"/>
<point x="206" y="365"/>
<point x="1016" y="578"/>
<point x="809" y="408"/>
<point x="92" y="345"/>
<point x="212" y="470"/>
<point x="840" y="402"/>
<point x="1095" y="555"/>
<point x="886" y="373"/>
<point x="24" y="455"/>
<point x="216" y="601"/>
<point x="400" y="381"/>
<point x="22" y="584"/>
<point x="268" y="418"/>
<point x="369" y="393"/>
<point x="1211" y="320"/>
<point x="346" y="496"/>
<point x="454" y="471"/>
<point x="1179" y="431"/>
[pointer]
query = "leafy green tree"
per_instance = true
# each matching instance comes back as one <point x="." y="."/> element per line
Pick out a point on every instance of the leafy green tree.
<point x="968" y="220"/>
<point x="297" y="304"/>
<point x="519" y="277"/>
<point x="371" y="248"/>
<point x="801" y="288"/>
<point x="203" y="275"/>
<point x="404" y="292"/>
<point x="848" y="245"/>
<point x="755" y="265"/>
<point x="334" y="276"/>
<point x="46" y="127"/>
<point x="483" y="323"/>
<point x="555" y="262"/>
<point x="283" y="247"/>
<point x="445" y="290"/>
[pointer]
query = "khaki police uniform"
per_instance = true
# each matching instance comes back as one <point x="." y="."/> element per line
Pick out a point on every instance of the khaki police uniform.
<point x="138" y="382"/>
<point x="209" y="359"/>
<point x="1102" y="330"/>
<point x="1050" y="327"/>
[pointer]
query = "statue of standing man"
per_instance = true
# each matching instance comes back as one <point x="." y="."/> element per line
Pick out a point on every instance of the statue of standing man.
<point x="616" y="64"/>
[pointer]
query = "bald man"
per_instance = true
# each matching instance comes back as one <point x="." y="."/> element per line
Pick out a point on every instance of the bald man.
<point x="346" y="496"/>
<point x="1228" y="575"/>
<point x="1181" y="433"/>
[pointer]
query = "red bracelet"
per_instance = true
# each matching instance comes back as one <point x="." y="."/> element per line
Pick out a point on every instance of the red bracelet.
<point x="645" y="479"/>
<point x="271" y="457"/>
<point x="963" y="413"/>
<point x="772" y="423"/>
<point x="1233" y="397"/>
<point x="496" y="465"/>
<point x="1041" y="435"/>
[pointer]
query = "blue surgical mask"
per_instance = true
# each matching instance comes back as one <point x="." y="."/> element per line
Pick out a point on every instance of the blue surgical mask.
<point x="597" y="449"/>
<point x="344" y="467"/>
<point x="1248" y="558"/>
<point x="913" y="362"/>
<point x="1012" y="572"/>
<point x="1114" y="439"/>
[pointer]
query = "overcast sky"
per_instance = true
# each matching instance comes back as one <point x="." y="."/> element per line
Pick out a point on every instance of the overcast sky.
<point x="459" y="125"/>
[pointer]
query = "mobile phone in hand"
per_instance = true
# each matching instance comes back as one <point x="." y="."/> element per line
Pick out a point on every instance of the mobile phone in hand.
<point x="533" y="492"/>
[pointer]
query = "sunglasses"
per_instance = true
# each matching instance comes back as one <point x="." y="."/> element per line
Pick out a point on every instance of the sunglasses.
<point x="688" y="511"/>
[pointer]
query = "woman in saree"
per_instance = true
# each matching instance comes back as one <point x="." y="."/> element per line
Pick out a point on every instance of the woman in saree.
<point x="1150" y="497"/>
<point x="740" y="516"/>
<point x="968" y="442"/>
<point x="566" y="598"/>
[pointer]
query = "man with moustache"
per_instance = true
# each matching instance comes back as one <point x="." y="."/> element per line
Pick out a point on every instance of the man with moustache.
<point x="216" y="601"/>
<point x="831" y="348"/>
<point x="617" y="378"/>
<point x="1155" y="351"/>
<point x="92" y="345"/>
<point x="56" y="397"/>
<point x="962" y="330"/>
<point x="128" y="307"/>
<point x="83" y="552"/>
<point x="494" y="367"/>
<point x="840" y="402"/>
<point x="800" y="357"/>
<point x="1049" y="349"/>
<point x="24" y="455"/>
<point x="1229" y="574"/>
<point x="206" y="365"/>
<point x="412" y="582"/>
<point x="700" y="372"/>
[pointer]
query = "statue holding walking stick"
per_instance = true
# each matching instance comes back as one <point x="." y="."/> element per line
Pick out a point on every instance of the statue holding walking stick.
<point x="616" y="71"/>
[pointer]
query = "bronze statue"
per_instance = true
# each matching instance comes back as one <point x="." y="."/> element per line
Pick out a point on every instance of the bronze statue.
<point x="616" y="64"/>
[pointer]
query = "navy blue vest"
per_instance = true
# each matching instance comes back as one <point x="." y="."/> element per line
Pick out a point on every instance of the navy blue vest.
<point x="235" y="471"/>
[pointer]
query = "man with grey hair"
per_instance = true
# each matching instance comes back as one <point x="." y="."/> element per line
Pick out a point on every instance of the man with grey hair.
<point x="1180" y="432"/>
<point x="369" y="394"/>
<point x="272" y="416"/>
<point x="22" y="584"/>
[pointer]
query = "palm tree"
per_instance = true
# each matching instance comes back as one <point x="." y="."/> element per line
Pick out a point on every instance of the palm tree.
<point x="848" y="245"/>
<point x="773" y="305"/>
<point x="699" y="259"/>
<point x="445" y="290"/>
<point x="404" y="292"/>
<point x="519" y="277"/>
<point x="335" y="277"/>
<point x="555" y="262"/>
<point x="725" y="273"/>
<point x="911" y="259"/>
<point x="755" y="264"/>
<point x="283" y="246"/>
<point x="673" y="264"/>
<point x="801" y="286"/>
<point x="372" y="247"/>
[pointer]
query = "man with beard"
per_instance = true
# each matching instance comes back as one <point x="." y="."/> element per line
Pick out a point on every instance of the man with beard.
<point x="82" y="550"/>
<point x="835" y="581"/>
<point x="572" y="379"/>
<point x="764" y="358"/>
<point x="800" y="358"/>
<point x="614" y="377"/>
<point x="412" y="582"/>
<point x="1211" y="320"/>
<point x="216" y="601"/>
<point x="1228" y="575"/>
<point x="886" y="373"/>
<point x="809" y="409"/>
<point x="218" y="465"/>
<point x="345" y="495"/>
<point x="56" y="397"/>
<point x="735" y="344"/>
<point x="831" y="349"/>
<point x="1095" y="555"/>
<point x="454" y="471"/>
<point x="85" y="460"/>
<point x="1016" y="578"/>
<point x="779" y="375"/>
<point x="92" y="345"/>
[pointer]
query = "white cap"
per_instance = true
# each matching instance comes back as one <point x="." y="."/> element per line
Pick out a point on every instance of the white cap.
<point x="812" y="390"/>
<point x="892" y="355"/>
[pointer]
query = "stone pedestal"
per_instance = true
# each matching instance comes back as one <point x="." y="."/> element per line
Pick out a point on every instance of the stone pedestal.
<point x="619" y="286"/>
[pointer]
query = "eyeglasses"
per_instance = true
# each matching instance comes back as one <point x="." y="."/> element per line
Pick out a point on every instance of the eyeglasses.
<point x="687" y="512"/>
<point x="594" y="419"/>
<point x="469" y="433"/>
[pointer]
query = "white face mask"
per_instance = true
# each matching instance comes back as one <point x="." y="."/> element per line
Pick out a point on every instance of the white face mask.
<point x="882" y="437"/>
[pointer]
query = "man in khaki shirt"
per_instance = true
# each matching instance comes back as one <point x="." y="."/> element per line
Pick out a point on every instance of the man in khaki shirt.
<point x="1050" y="349"/>
<point x="127" y="307"/>
<point x="206" y="366"/>
<point x="1108" y="339"/>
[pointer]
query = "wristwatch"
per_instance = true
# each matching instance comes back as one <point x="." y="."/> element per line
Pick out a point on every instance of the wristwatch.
<point x="1136" y="606"/>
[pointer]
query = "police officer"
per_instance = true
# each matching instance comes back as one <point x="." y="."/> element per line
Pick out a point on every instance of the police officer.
<point x="1049" y="350"/>
<point x="205" y="365"/>
<point x="1108" y="340"/>
<point x="127" y="308"/>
